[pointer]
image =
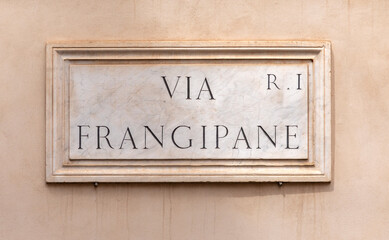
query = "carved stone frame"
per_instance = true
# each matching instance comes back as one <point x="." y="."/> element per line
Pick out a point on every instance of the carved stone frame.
<point x="59" y="168"/>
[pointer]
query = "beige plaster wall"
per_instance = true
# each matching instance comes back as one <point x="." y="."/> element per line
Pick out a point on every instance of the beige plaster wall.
<point x="354" y="206"/>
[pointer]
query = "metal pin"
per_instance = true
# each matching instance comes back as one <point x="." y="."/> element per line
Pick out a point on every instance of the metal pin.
<point x="279" y="184"/>
<point x="96" y="184"/>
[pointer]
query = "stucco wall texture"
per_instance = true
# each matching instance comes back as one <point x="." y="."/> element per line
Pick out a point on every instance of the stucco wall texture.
<point x="354" y="206"/>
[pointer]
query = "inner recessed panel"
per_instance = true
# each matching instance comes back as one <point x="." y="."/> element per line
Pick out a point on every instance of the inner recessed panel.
<point x="189" y="111"/>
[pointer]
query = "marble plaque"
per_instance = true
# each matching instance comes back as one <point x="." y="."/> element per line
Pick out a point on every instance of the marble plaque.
<point x="188" y="111"/>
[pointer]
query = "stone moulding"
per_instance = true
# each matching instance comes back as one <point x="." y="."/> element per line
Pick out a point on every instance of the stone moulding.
<point x="59" y="168"/>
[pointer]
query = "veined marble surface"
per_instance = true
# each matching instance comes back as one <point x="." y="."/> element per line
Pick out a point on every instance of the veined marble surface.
<point x="123" y="99"/>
